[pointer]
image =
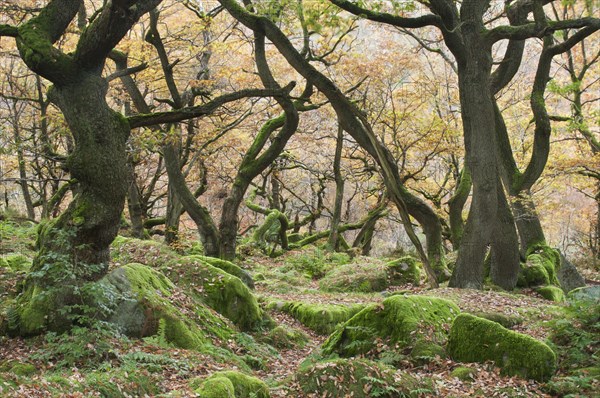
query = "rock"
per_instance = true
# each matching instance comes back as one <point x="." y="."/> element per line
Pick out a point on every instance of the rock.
<point x="223" y="292"/>
<point x="552" y="293"/>
<point x="286" y="337"/>
<point x="321" y="318"/>
<point x="143" y="251"/>
<point x="463" y="373"/>
<point x="508" y="321"/>
<point x="230" y="268"/>
<point x="404" y="270"/>
<point x="474" y="339"/>
<point x="588" y="293"/>
<point x="396" y="321"/>
<point x="568" y="276"/>
<point x="243" y="386"/>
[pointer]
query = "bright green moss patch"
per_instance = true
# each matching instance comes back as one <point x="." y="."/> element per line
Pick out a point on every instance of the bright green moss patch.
<point x="357" y="378"/>
<point x="508" y="321"/>
<point x="404" y="270"/>
<point x="244" y="386"/>
<point x="541" y="267"/>
<point x="474" y="339"/>
<point x="321" y="318"/>
<point x="216" y="387"/>
<point x="463" y="373"/>
<point x="223" y="292"/>
<point x="425" y="351"/>
<point x="400" y="321"/>
<point x="552" y="293"/>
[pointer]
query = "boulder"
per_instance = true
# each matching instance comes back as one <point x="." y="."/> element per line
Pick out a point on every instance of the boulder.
<point x="321" y="318"/>
<point x="223" y="384"/>
<point x="396" y="321"/>
<point x="474" y="339"/>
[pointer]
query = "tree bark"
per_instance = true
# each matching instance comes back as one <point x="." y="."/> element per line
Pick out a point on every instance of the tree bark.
<point x="334" y="238"/>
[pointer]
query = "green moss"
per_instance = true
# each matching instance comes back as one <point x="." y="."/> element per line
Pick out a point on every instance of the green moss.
<point x="508" y="321"/>
<point x="230" y="268"/>
<point x="244" y="386"/>
<point x="223" y="292"/>
<point x="424" y="351"/>
<point x="540" y="268"/>
<point x="552" y="293"/>
<point x="404" y="270"/>
<point x="463" y="373"/>
<point x="30" y="312"/>
<point x="321" y="318"/>
<point x="216" y="387"/>
<point x="286" y="337"/>
<point x="474" y="339"/>
<point x="23" y="369"/>
<point x="396" y="321"/>
<point x="358" y="378"/>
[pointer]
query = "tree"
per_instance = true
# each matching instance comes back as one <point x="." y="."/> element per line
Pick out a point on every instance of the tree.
<point x="490" y="222"/>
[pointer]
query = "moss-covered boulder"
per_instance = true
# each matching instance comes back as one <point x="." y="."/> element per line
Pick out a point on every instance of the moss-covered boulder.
<point x="230" y="268"/>
<point x="589" y="293"/>
<point x="365" y="276"/>
<point x="357" y="378"/>
<point x="321" y="318"/>
<point x="552" y="293"/>
<point x="547" y="266"/>
<point x="404" y="270"/>
<point x="143" y="251"/>
<point x="223" y="292"/>
<point x="224" y="384"/>
<point x="286" y="337"/>
<point x="143" y="305"/>
<point x="474" y="339"/>
<point x="400" y="321"/>
<point x="508" y="321"/>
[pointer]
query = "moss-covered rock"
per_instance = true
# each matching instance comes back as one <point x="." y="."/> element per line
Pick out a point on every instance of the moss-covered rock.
<point x="474" y="339"/>
<point x="321" y="318"/>
<point x="360" y="276"/>
<point x="552" y="293"/>
<point x="424" y="351"/>
<point x="404" y="270"/>
<point x="142" y="306"/>
<point x="230" y="268"/>
<point x="463" y="373"/>
<point x="396" y="321"/>
<point x="358" y="378"/>
<point x="541" y="267"/>
<point x="223" y="292"/>
<point x="143" y="251"/>
<point x="589" y="293"/>
<point x="243" y="386"/>
<point x="216" y="387"/>
<point x="286" y="337"/>
<point x="508" y="321"/>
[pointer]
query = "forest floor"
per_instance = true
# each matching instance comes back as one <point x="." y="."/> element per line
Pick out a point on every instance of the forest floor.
<point x="88" y="363"/>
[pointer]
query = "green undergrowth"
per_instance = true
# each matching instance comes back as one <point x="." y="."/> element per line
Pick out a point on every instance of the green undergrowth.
<point x="575" y="337"/>
<point x="314" y="262"/>
<point x="144" y="251"/>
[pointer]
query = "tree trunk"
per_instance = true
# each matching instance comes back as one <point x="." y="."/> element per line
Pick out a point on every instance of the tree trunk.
<point x="487" y="221"/>
<point x="173" y="215"/>
<point x="528" y="222"/>
<point x="134" y="205"/>
<point x="456" y="205"/>
<point x="74" y="248"/>
<point x="334" y="237"/>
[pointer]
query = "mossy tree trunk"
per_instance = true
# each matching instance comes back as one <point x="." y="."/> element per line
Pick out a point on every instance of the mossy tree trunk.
<point x="74" y="248"/>
<point x="456" y="205"/>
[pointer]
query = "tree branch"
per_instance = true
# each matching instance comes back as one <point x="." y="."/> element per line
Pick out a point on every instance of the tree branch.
<point x="390" y="19"/>
<point x="204" y="109"/>
<point x="8" y="30"/>
<point x="533" y="29"/>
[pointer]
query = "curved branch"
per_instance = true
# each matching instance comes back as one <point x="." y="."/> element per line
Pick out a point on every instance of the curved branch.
<point x="390" y="19"/>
